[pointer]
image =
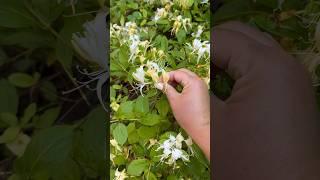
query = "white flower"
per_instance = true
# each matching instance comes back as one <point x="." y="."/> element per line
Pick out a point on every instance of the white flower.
<point x="204" y="1"/>
<point x="180" y="21"/>
<point x="172" y="150"/>
<point x="200" y="48"/>
<point x="120" y="175"/>
<point x="93" y="46"/>
<point x="161" y="13"/>
<point x="115" y="144"/>
<point x="134" y="48"/>
<point x="199" y="32"/>
<point x="139" y="75"/>
<point x="176" y="154"/>
<point x="179" y="140"/>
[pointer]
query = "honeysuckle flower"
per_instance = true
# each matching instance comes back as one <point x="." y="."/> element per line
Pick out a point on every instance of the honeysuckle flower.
<point x="112" y="156"/>
<point x="131" y="28"/>
<point x="200" y="48"/>
<point x="114" y="106"/>
<point x="160" y="13"/>
<point x="152" y="142"/>
<point x="172" y="150"/>
<point x="204" y="2"/>
<point x="179" y="140"/>
<point x="134" y="48"/>
<point x="92" y="46"/>
<point x="139" y="75"/>
<point x="120" y="175"/>
<point x="199" y="32"/>
<point x="164" y="2"/>
<point x="189" y="143"/>
<point x="180" y="21"/>
<point x="115" y="144"/>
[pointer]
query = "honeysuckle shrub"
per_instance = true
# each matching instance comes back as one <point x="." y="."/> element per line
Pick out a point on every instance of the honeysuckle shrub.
<point x="148" y="39"/>
<point x="47" y="49"/>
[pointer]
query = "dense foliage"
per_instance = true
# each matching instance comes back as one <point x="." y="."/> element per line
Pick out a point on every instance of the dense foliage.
<point x="148" y="39"/>
<point x="46" y="133"/>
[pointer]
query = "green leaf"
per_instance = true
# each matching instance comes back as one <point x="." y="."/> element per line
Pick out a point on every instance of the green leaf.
<point x="13" y="14"/>
<point x="48" y="90"/>
<point x="29" y="112"/>
<point x="22" y="80"/>
<point x="181" y="35"/>
<point x="146" y="132"/>
<point x="131" y="127"/>
<point x="150" y="176"/>
<point x="120" y="160"/>
<point x="9" y="119"/>
<point x="89" y="144"/>
<point x="8" y="97"/>
<point x="163" y="106"/>
<point x="133" y="137"/>
<point x="48" y="118"/>
<point x="19" y="145"/>
<point x="120" y="133"/>
<point x="48" y="155"/>
<point x="29" y="38"/>
<point x="141" y="105"/>
<point x="150" y="120"/>
<point x="136" y="167"/>
<point x="126" y="109"/>
<point x="9" y="134"/>
<point x="47" y="9"/>
<point x="63" y="47"/>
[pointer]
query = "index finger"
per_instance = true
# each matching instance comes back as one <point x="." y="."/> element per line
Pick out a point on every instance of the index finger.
<point x="181" y="77"/>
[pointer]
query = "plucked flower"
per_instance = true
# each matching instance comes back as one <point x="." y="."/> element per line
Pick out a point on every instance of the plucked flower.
<point x="153" y="70"/>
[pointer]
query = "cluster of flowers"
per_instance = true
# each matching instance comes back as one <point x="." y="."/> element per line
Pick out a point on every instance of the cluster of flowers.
<point x="153" y="67"/>
<point x="149" y="71"/>
<point x="172" y="149"/>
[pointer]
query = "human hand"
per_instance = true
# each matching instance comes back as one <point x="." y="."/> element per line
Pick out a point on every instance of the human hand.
<point x="191" y="107"/>
<point x="269" y="127"/>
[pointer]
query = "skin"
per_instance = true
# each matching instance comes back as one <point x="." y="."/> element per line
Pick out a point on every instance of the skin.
<point x="268" y="129"/>
<point x="192" y="112"/>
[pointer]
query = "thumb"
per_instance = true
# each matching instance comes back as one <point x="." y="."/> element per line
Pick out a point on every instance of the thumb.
<point x="171" y="93"/>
